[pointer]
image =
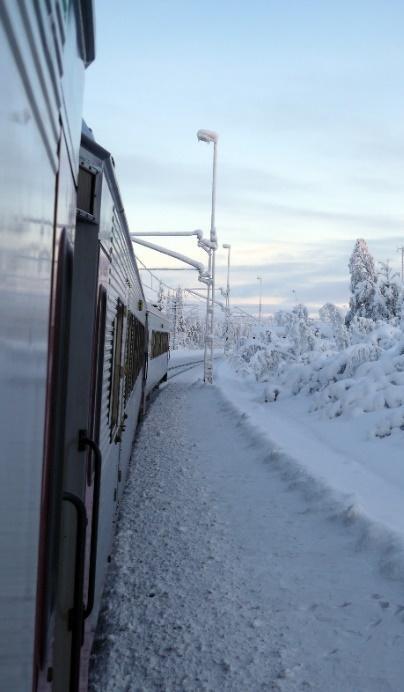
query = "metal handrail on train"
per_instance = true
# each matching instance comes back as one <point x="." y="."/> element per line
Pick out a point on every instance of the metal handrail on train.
<point x="84" y="442"/>
<point x="76" y="613"/>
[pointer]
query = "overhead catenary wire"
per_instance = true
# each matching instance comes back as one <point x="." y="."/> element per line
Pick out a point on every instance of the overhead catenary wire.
<point x="192" y="292"/>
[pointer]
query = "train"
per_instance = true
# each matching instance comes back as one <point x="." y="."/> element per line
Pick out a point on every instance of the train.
<point x="80" y="349"/>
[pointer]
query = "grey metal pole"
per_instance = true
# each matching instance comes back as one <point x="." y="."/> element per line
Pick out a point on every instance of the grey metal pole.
<point x="209" y="136"/>
<point x="260" y="303"/>
<point x="228" y="279"/>
<point x="402" y="262"/>
<point x="227" y="247"/>
<point x="213" y="239"/>
<point x="206" y="369"/>
<point x="173" y="322"/>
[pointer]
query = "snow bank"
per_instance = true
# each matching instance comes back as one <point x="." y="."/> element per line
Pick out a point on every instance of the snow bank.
<point x="332" y="399"/>
<point x="302" y="358"/>
<point x="358" y="480"/>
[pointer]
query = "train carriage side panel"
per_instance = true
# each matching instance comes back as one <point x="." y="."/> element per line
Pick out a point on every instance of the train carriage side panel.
<point x="36" y="211"/>
<point x="99" y="398"/>
<point x="158" y="348"/>
<point x="125" y="301"/>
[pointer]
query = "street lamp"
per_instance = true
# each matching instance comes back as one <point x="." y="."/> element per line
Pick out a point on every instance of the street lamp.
<point x="259" y="278"/>
<point x="208" y="136"/>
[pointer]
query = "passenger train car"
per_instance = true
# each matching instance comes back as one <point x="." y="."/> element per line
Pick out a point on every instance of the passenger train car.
<point x="80" y="350"/>
<point x="157" y="348"/>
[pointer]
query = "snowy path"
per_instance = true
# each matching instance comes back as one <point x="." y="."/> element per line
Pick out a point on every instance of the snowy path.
<point x="229" y="574"/>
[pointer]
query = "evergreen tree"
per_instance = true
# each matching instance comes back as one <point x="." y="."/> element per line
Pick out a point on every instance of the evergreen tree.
<point x="161" y="299"/>
<point x="180" y="322"/>
<point x="387" y="299"/>
<point x="363" y="282"/>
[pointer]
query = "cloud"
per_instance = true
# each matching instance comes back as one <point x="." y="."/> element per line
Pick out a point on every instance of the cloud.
<point x="378" y="184"/>
<point x="144" y="171"/>
<point x="341" y="218"/>
<point x="383" y="148"/>
<point x="246" y="193"/>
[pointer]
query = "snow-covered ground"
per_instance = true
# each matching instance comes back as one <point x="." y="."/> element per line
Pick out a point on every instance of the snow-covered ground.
<point x="183" y="355"/>
<point x="235" y="568"/>
<point x="365" y="472"/>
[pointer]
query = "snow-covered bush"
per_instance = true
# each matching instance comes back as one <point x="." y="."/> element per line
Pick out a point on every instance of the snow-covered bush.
<point x="332" y="315"/>
<point x="292" y="336"/>
<point x="344" y="365"/>
<point x="341" y="371"/>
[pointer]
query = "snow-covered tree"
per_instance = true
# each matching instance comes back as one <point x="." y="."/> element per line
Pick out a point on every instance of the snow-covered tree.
<point x="388" y="295"/>
<point x="360" y="328"/>
<point x="175" y="305"/>
<point x="363" y="282"/>
<point x="161" y="299"/>
<point x="302" y="333"/>
<point x="194" y="333"/>
<point x="333" y="315"/>
<point x="301" y="312"/>
<point x="180" y="321"/>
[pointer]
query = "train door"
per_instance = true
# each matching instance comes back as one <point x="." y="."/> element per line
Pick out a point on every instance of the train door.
<point x="93" y="489"/>
<point x="75" y="590"/>
<point x="52" y="480"/>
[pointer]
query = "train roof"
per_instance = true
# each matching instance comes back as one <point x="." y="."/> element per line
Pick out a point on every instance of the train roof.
<point x="108" y="167"/>
<point x="86" y="29"/>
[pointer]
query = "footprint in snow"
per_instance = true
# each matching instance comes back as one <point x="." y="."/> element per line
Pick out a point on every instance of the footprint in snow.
<point x="384" y="604"/>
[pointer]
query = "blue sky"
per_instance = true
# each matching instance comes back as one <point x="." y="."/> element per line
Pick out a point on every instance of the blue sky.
<point x="308" y="101"/>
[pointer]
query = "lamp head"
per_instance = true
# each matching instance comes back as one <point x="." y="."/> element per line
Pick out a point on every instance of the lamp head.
<point x="226" y="246"/>
<point x="207" y="136"/>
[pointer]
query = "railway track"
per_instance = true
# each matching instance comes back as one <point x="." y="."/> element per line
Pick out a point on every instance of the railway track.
<point x="182" y="367"/>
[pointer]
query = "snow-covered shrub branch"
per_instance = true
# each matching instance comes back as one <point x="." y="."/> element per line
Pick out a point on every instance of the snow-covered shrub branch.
<point x="346" y="365"/>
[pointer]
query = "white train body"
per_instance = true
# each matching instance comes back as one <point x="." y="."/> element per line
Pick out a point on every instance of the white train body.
<point x="44" y="48"/>
<point x="76" y="341"/>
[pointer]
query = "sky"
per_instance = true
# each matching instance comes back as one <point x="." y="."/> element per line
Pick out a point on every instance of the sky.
<point x="307" y="98"/>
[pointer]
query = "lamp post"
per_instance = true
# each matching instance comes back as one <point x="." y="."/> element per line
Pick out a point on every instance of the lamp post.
<point x="208" y="136"/>
<point x="259" y="278"/>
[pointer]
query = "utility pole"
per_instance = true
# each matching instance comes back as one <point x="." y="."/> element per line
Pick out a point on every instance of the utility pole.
<point x="259" y="278"/>
<point x="401" y="249"/>
<point x="175" y="328"/>
<point x="210" y="137"/>
<point x="227" y="247"/>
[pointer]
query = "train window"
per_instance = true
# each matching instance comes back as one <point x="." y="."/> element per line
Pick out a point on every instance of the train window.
<point x="86" y="190"/>
<point x="116" y="365"/>
<point x="134" y="357"/>
<point x="160" y="343"/>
